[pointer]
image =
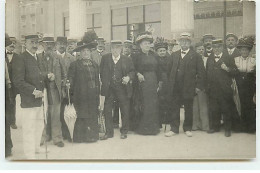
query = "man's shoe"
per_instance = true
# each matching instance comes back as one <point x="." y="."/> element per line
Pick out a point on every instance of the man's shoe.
<point x="42" y="150"/>
<point x="123" y="136"/>
<point x="210" y="131"/>
<point x="60" y="144"/>
<point x="13" y="126"/>
<point x="188" y="133"/>
<point x="170" y="133"/>
<point x="227" y="133"/>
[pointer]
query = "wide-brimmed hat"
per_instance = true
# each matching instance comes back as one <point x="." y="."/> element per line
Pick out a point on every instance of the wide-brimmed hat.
<point x="144" y="36"/>
<point x="8" y="42"/>
<point x="231" y="35"/>
<point x="247" y="42"/>
<point x="89" y="41"/>
<point x="160" y="43"/>
<point x="185" y="36"/>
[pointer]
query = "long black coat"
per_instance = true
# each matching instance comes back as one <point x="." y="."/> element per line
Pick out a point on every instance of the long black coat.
<point x="27" y="76"/>
<point x="194" y="76"/>
<point x="106" y="72"/>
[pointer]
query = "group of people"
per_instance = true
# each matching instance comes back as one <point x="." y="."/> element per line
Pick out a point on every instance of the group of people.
<point x="146" y="81"/>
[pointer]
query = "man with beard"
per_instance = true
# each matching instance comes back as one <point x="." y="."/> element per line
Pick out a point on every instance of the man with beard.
<point x="67" y="59"/>
<point x="231" y="42"/>
<point x="207" y="42"/>
<point x="52" y="67"/>
<point x="29" y="80"/>
<point x="10" y="56"/>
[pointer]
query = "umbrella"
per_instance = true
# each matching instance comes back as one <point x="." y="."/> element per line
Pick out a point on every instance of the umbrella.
<point x="70" y="116"/>
<point x="236" y="96"/>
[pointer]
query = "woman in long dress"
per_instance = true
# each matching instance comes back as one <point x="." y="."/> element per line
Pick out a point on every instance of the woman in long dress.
<point x="246" y="83"/>
<point x="83" y="76"/>
<point x="160" y="47"/>
<point x="149" y="75"/>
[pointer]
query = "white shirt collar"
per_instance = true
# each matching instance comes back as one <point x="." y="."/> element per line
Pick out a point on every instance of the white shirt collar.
<point x="231" y="50"/>
<point x="116" y="59"/>
<point x="185" y="50"/>
<point x="34" y="55"/>
<point x="61" y="54"/>
<point x="220" y="55"/>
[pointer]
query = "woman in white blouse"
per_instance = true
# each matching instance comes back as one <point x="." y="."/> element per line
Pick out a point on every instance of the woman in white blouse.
<point x="246" y="84"/>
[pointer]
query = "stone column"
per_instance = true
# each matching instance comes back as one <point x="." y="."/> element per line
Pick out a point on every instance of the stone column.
<point x="249" y="18"/>
<point x="12" y="18"/>
<point x="182" y="17"/>
<point x="77" y="18"/>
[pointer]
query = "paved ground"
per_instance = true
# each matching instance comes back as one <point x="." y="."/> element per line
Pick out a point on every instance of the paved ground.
<point x="200" y="146"/>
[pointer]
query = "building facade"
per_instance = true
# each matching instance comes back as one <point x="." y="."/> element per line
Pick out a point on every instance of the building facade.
<point x="123" y="19"/>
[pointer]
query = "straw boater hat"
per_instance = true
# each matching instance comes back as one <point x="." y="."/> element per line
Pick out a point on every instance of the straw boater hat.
<point x="247" y="42"/>
<point x="210" y="36"/>
<point x="89" y="41"/>
<point x="48" y="39"/>
<point x="217" y="42"/>
<point x="185" y="36"/>
<point x="144" y="36"/>
<point x="160" y="43"/>
<point x="231" y="35"/>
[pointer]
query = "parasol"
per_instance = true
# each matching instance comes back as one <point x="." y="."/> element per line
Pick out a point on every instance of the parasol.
<point x="70" y="116"/>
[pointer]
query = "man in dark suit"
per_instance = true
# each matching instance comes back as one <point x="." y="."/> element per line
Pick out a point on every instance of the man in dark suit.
<point x="67" y="59"/>
<point x="9" y="102"/>
<point x="29" y="80"/>
<point x="100" y="51"/>
<point x="186" y="75"/>
<point x="231" y="43"/>
<point x="219" y="81"/>
<point x="116" y="71"/>
<point x="207" y="42"/>
<point x="127" y="50"/>
<point x="52" y="67"/>
<point x="10" y="56"/>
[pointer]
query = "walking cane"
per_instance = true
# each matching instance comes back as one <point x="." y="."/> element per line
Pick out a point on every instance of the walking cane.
<point x="45" y="126"/>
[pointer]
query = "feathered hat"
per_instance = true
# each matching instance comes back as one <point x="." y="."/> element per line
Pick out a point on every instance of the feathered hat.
<point x="144" y="36"/>
<point x="247" y="42"/>
<point x="89" y="41"/>
<point x="160" y="43"/>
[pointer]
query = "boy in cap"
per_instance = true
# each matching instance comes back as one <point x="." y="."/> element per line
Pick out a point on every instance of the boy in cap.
<point x="186" y="76"/>
<point x="29" y="80"/>
<point x="52" y="67"/>
<point x="231" y="43"/>
<point x="116" y="70"/>
<point x="219" y="81"/>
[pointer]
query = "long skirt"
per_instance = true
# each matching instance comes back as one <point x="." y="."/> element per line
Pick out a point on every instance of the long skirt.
<point x="86" y="130"/>
<point x="149" y="120"/>
<point x="200" y="112"/>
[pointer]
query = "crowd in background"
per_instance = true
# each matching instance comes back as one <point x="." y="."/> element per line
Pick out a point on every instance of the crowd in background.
<point x="146" y="81"/>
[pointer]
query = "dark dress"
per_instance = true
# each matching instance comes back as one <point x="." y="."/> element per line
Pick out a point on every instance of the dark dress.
<point x="246" y="83"/>
<point x="148" y="113"/>
<point x="164" y="110"/>
<point x="84" y="79"/>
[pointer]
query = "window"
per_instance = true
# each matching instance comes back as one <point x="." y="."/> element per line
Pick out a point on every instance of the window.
<point x="130" y="21"/>
<point x="66" y="26"/>
<point x="94" y="22"/>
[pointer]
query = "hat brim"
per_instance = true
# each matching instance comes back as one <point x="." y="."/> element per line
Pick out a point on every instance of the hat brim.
<point x="89" y="46"/>
<point x="161" y="46"/>
<point x="245" y="45"/>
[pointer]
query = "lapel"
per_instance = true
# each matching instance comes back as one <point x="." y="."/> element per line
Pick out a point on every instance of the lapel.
<point x="31" y="58"/>
<point x="110" y="62"/>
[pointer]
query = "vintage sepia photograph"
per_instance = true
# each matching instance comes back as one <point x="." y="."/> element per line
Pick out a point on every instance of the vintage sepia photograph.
<point x="130" y="80"/>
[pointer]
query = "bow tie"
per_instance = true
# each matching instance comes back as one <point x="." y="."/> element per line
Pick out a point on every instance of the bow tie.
<point x="9" y="53"/>
<point x="182" y="52"/>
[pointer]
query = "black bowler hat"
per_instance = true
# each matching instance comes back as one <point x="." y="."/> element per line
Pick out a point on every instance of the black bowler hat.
<point x="8" y="42"/>
<point x="61" y="39"/>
